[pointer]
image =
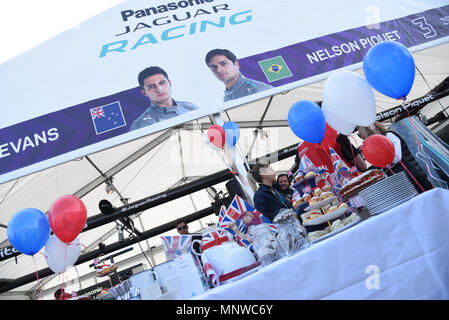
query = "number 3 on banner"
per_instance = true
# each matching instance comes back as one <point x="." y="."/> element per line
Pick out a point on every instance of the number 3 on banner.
<point x="422" y="23"/>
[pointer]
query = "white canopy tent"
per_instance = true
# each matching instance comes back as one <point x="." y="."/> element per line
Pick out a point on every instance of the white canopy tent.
<point x="169" y="158"/>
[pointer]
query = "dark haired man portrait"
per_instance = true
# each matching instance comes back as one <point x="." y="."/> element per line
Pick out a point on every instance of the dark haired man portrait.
<point x="283" y="186"/>
<point x="156" y="86"/>
<point x="225" y="67"/>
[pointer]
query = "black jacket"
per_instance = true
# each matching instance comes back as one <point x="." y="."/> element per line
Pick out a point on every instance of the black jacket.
<point x="268" y="201"/>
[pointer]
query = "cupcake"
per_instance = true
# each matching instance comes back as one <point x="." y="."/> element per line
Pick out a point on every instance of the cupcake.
<point x="331" y="209"/>
<point x="299" y="177"/>
<point x="317" y="191"/>
<point x="314" y="200"/>
<point x="306" y="197"/>
<point x="311" y="179"/>
<point x="327" y="195"/>
<point x="342" y="205"/>
<point x="311" y="174"/>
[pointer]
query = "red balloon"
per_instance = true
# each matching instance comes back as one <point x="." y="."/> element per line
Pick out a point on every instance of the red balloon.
<point x="330" y="137"/>
<point x="216" y="135"/>
<point x="378" y="150"/>
<point x="67" y="217"/>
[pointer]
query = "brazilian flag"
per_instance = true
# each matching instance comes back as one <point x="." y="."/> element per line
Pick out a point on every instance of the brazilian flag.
<point x="275" y="68"/>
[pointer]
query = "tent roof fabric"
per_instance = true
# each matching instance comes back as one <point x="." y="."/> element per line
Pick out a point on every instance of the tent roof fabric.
<point x="161" y="167"/>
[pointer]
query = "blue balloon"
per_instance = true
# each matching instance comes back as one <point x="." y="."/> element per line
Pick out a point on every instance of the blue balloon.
<point x="232" y="133"/>
<point x="306" y="120"/>
<point x="28" y="231"/>
<point x="390" y="69"/>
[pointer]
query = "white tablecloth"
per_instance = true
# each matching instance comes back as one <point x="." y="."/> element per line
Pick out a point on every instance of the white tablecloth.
<point x="402" y="253"/>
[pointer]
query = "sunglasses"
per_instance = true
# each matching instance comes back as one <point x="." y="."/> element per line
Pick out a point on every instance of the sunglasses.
<point x="182" y="227"/>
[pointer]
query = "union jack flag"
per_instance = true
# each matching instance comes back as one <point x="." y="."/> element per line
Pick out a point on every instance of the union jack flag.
<point x="208" y="241"/>
<point x="174" y="246"/>
<point x="354" y="170"/>
<point x="233" y="220"/>
<point x="307" y="189"/>
<point x="97" y="112"/>
<point x="209" y="270"/>
<point x="216" y="238"/>
<point x="221" y="215"/>
<point x="296" y="196"/>
<point x="305" y="164"/>
<point x="341" y="170"/>
<point x="336" y="160"/>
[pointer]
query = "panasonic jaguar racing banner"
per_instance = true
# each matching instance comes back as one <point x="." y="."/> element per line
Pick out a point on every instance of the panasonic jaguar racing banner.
<point x="145" y="66"/>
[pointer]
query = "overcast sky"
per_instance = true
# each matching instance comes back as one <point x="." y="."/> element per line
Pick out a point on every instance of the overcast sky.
<point x="25" y="24"/>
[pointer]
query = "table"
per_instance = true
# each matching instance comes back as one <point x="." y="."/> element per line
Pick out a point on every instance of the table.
<point x="402" y="253"/>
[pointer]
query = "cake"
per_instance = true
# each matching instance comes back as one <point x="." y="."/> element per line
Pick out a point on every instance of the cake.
<point x="306" y="197"/>
<point x="353" y="217"/>
<point x="342" y="205"/>
<point x="314" y="200"/>
<point x="354" y="186"/>
<point x="312" y="215"/>
<point x="331" y="209"/>
<point x="317" y="191"/>
<point x="311" y="174"/>
<point x="317" y="234"/>
<point x="299" y="177"/>
<point x="337" y="224"/>
<point x="299" y="202"/>
<point x="326" y="195"/>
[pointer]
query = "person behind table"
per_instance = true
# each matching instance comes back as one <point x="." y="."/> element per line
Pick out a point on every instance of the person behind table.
<point x="402" y="153"/>
<point x="283" y="185"/>
<point x="321" y="157"/>
<point x="156" y="86"/>
<point x="345" y="149"/>
<point x="60" y="294"/>
<point x="349" y="153"/>
<point x="267" y="200"/>
<point x="182" y="227"/>
<point x="225" y="67"/>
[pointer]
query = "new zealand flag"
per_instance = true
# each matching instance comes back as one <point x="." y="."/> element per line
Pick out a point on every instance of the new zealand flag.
<point x="108" y="117"/>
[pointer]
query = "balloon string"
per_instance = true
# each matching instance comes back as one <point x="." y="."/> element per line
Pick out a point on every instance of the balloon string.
<point x="389" y="168"/>
<point x="220" y="155"/>
<point x="414" y="129"/>
<point x="59" y="280"/>
<point x="328" y="154"/>
<point x="352" y="151"/>
<point x="65" y="260"/>
<point x="353" y="156"/>
<point x="62" y="285"/>
<point x="37" y="276"/>
<point x="412" y="176"/>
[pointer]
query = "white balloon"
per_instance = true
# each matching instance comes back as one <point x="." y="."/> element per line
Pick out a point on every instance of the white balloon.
<point x="350" y="97"/>
<point x="61" y="256"/>
<point x="339" y="125"/>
